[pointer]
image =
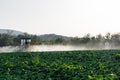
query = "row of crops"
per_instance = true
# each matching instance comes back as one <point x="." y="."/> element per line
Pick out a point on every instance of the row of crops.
<point x="64" y="65"/>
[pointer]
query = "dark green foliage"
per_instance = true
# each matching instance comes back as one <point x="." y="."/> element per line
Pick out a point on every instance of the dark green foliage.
<point x="50" y="39"/>
<point x="65" y="65"/>
<point x="117" y="56"/>
<point x="6" y="40"/>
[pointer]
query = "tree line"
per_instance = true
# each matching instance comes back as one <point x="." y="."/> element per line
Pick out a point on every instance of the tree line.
<point x="87" y="40"/>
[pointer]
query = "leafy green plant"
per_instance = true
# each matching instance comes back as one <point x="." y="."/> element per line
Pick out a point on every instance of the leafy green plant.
<point x="117" y="56"/>
<point x="35" y="61"/>
<point x="63" y="65"/>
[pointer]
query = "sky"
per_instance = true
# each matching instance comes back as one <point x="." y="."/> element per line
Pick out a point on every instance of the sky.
<point x="63" y="17"/>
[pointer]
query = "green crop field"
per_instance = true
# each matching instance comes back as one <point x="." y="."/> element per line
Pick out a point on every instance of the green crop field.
<point x="63" y="65"/>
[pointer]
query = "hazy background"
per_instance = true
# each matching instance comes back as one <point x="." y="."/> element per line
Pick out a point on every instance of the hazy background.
<point x="64" y="17"/>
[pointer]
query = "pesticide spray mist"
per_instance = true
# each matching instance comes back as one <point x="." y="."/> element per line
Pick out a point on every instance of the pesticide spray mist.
<point x="40" y="48"/>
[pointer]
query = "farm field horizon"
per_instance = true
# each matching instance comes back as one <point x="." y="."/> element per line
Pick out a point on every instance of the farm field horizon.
<point x="59" y="40"/>
<point x="61" y="65"/>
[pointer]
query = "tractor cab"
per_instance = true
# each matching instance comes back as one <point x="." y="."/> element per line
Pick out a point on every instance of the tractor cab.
<point x="25" y="41"/>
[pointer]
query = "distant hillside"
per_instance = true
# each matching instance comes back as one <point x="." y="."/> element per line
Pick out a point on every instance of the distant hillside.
<point x="11" y="32"/>
<point x="53" y="37"/>
<point x="43" y="37"/>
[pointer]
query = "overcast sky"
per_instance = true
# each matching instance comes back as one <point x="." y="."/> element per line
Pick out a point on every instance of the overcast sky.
<point x="64" y="17"/>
